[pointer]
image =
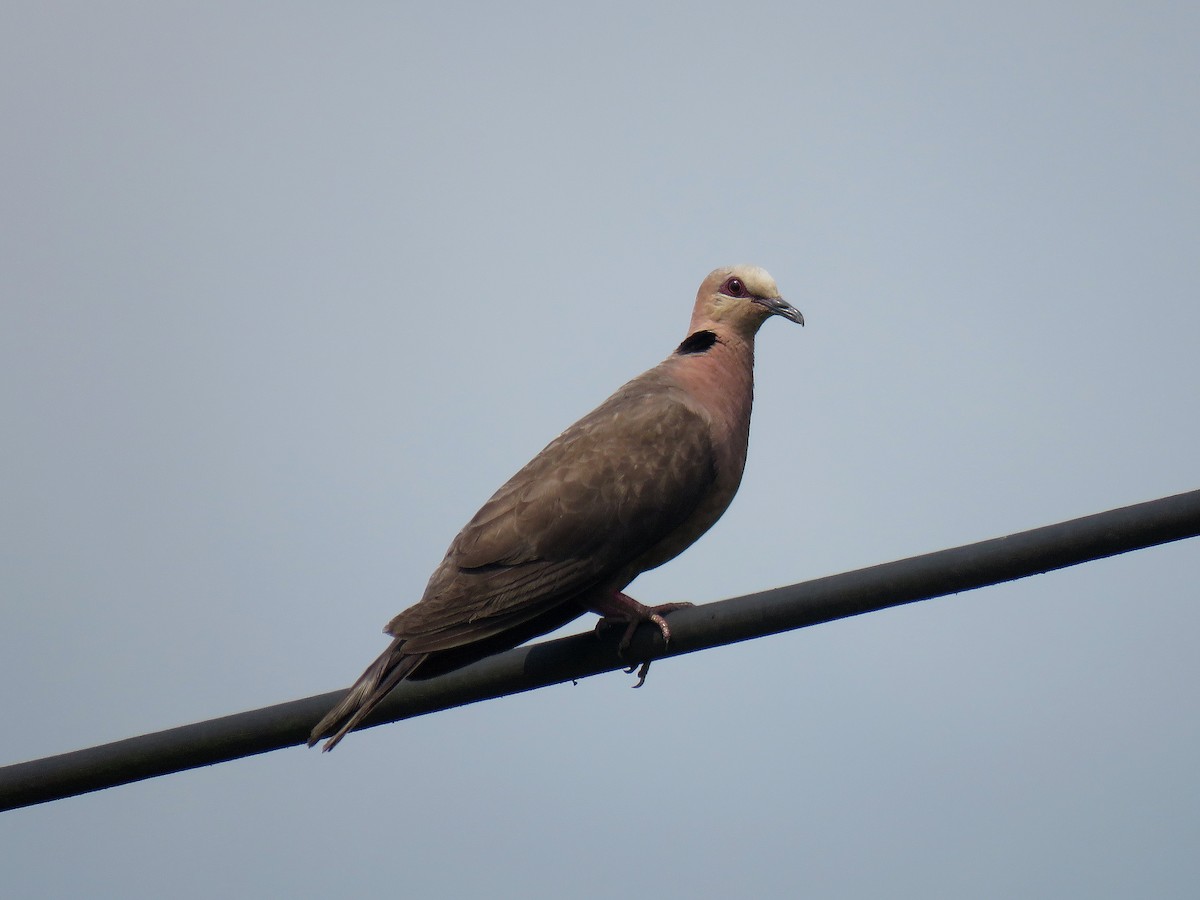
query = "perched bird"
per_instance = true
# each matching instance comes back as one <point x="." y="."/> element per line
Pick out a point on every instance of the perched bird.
<point x="629" y="486"/>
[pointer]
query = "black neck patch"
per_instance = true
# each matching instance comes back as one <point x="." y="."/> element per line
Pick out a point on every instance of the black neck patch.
<point x="697" y="343"/>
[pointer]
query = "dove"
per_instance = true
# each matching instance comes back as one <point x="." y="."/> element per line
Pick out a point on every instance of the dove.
<point x="628" y="487"/>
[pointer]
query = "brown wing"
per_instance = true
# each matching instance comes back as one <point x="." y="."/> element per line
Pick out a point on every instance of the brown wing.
<point x="602" y="494"/>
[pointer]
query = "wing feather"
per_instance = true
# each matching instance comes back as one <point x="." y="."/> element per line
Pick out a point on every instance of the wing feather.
<point x="597" y="498"/>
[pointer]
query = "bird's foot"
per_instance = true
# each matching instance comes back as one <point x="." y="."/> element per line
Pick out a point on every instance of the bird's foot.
<point x="621" y="608"/>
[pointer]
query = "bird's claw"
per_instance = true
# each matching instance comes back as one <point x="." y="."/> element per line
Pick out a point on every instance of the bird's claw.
<point x="622" y="609"/>
<point x="641" y="673"/>
<point x="652" y="614"/>
<point x="625" y="610"/>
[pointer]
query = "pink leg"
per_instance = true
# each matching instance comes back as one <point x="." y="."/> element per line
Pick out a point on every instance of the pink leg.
<point x="619" y="607"/>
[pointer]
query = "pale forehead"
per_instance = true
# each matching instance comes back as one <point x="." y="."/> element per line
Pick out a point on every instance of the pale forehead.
<point x="757" y="280"/>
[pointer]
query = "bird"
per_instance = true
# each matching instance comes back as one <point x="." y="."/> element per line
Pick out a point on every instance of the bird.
<point x="625" y="489"/>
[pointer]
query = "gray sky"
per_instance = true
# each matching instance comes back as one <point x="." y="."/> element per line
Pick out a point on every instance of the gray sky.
<point x="288" y="291"/>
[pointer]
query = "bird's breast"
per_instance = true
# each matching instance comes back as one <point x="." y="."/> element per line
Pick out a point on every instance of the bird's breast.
<point x="719" y="386"/>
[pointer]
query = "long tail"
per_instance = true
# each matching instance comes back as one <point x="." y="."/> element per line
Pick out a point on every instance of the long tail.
<point x="372" y="686"/>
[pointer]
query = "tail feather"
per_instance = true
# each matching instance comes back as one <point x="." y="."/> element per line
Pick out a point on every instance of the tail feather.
<point x="392" y="667"/>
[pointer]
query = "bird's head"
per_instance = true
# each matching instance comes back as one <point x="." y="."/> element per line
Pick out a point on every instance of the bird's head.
<point x="737" y="300"/>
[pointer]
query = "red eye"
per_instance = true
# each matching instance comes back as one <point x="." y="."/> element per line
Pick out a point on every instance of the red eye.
<point x="734" y="288"/>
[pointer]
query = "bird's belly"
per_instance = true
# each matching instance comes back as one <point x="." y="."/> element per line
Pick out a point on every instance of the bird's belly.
<point x="702" y="518"/>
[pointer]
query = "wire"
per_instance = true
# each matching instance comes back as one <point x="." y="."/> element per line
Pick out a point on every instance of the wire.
<point x="552" y="662"/>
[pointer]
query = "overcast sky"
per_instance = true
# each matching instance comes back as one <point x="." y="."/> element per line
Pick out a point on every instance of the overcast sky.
<point x="287" y="290"/>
